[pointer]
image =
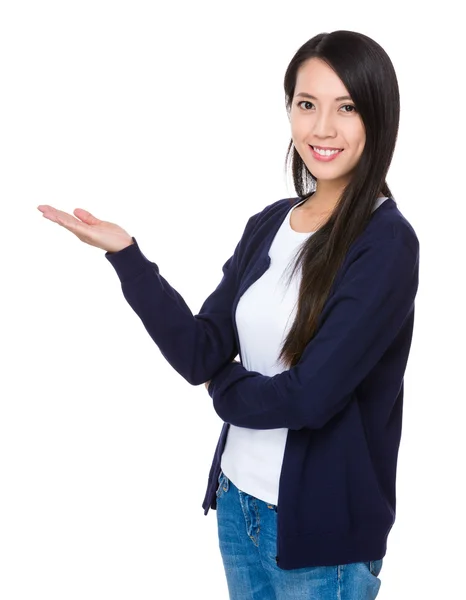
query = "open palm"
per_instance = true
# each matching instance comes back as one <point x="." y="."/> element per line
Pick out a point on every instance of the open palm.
<point x="90" y="230"/>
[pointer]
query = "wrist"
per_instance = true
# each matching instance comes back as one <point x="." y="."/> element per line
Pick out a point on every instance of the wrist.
<point x="123" y="246"/>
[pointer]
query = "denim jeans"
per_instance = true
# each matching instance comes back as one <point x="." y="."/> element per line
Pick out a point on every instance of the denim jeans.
<point x="247" y="529"/>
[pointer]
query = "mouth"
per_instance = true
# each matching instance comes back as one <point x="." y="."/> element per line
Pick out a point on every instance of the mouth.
<point x="325" y="153"/>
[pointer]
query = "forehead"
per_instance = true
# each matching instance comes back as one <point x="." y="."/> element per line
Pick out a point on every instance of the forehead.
<point x="317" y="78"/>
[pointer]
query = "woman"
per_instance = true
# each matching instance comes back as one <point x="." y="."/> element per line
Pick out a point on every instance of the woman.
<point x="303" y="477"/>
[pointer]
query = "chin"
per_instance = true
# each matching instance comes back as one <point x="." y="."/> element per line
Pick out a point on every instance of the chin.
<point x="327" y="173"/>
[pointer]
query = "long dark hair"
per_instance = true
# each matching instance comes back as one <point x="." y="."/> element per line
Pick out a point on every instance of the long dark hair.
<point x="369" y="76"/>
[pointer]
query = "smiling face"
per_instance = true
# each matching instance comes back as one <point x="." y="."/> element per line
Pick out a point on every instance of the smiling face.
<point x="326" y="129"/>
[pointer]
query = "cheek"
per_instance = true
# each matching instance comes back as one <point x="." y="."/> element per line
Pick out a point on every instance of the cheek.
<point x="355" y="142"/>
<point x="358" y="135"/>
<point x="361" y="144"/>
<point x="297" y="129"/>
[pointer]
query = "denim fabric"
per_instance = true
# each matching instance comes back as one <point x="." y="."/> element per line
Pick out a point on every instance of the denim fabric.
<point x="247" y="537"/>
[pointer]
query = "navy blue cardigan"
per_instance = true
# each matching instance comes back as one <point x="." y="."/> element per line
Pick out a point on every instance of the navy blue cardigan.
<point x="342" y="402"/>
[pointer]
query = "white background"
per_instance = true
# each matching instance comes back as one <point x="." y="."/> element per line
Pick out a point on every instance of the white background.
<point x="169" y="119"/>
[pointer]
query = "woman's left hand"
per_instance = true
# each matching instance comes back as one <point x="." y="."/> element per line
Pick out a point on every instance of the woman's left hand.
<point x="207" y="382"/>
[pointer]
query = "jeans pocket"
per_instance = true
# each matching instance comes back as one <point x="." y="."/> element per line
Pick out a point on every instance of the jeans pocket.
<point x="222" y="484"/>
<point x="375" y="566"/>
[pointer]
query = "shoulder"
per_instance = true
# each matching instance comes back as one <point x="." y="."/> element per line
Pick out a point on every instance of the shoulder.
<point x="389" y="225"/>
<point x="387" y="252"/>
<point x="273" y="211"/>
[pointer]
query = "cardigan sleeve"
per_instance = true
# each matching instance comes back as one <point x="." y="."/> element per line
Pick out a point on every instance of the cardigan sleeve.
<point x="196" y="346"/>
<point x="359" y="322"/>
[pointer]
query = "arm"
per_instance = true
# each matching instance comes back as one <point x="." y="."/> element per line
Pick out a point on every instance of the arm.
<point x="195" y="345"/>
<point x="359" y="322"/>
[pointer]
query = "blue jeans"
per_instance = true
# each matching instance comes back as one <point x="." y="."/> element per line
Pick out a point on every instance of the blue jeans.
<point x="247" y="529"/>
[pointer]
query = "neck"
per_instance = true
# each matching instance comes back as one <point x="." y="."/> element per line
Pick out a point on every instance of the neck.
<point x="326" y="196"/>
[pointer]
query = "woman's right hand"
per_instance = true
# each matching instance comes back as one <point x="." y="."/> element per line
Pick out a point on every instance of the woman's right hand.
<point x="90" y="230"/>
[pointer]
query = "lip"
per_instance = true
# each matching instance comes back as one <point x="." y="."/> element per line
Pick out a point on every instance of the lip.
<point x="317" y="156"/>
<point x="324" y="147"/>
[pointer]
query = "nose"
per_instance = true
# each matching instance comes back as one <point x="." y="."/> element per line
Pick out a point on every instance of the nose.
<point x="324" y="125"/>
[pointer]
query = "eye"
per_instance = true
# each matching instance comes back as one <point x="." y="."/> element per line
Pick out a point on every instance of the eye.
<point x="305" y="102"/>
<point x="351" y="106"/>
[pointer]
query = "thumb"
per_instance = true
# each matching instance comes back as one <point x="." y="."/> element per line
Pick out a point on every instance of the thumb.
<point x="86" y="216"/>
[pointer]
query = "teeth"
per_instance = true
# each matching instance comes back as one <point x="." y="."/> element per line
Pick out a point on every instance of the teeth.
<point x="325" y="152"/>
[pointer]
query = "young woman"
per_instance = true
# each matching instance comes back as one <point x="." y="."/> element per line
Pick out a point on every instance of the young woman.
<point x="303" y="477"/>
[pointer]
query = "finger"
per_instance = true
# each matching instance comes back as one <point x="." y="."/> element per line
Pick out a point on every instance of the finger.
<point x="64" y="219"/>
<point x="52" y="212"/>
<point x="86" y="216"/>
<point x="61" y="217"/>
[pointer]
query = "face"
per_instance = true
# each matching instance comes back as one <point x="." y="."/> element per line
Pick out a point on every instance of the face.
<point x="323" y="117"/>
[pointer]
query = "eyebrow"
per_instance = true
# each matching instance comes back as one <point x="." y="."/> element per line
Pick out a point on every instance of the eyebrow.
<point x="304" y="95"/>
